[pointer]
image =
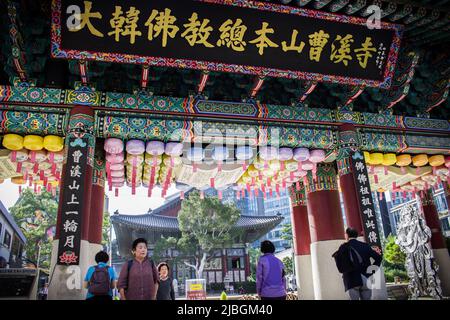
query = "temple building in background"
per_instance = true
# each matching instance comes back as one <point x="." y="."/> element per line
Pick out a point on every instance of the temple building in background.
<point x="228" y="265"/>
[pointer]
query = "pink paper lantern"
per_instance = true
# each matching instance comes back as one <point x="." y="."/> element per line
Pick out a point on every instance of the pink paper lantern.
<point x="113" y="145"/>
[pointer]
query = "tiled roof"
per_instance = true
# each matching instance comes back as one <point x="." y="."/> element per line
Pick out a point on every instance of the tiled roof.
<point x="155" y="222"/>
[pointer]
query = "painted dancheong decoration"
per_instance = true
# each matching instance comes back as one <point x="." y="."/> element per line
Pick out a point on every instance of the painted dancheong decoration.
<point x="206" y="35"/>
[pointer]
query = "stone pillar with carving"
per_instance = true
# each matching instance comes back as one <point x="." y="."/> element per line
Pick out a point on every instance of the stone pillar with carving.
<point x="302" y="242"/>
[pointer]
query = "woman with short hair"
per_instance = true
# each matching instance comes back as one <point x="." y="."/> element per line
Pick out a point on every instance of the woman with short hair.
<point x="270" y="280"/>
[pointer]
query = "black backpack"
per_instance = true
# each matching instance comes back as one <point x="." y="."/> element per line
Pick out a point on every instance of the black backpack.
<point x="347" y="259"/>
<point x="100" y="283"/>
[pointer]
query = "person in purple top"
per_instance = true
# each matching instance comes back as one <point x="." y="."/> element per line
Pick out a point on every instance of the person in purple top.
<point x="270" y="280"/>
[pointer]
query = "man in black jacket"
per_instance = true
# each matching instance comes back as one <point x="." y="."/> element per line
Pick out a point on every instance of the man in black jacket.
<point x="356" y="281"/>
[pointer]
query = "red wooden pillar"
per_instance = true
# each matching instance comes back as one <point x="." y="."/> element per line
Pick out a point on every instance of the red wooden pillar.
<point x="327" y="232"/>
<point x="432" y="218"/>
<point x="437" y="241"/>
<point x="348" y="143"/>
<point x="302" y="242"/>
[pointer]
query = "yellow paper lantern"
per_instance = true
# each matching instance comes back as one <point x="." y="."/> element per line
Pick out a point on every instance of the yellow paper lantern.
<point x="18" y="180"/>
<point x="389" y="159"/>
<point x="33" y="142"/>
<point x="436" y="161"/>
<point x="53" y="143"/>
<point x="403" y="160"/>
<point x="252" y="171"/>
<point x="420" y="160"/>
<point x="376" y="158"/>
<point x="13" y="142"/>
<point x="366" y="156"/>
<point x="274" y="165"/>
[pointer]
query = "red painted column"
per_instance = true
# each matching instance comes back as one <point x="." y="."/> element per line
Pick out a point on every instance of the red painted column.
<point x="432" y="218"/>
<point x="438" y="244"/>
<point x="302" y="242"/>
<point x="348" y="143"/>
<point x="327" y="232"/>
<point x="98" y="198"/>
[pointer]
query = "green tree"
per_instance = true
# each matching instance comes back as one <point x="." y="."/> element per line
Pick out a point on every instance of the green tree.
<point x="288" y="265"/>
<point x="205" y="224"/>
<point x="106" y="226"/>
<point x="162" y="245"/>
<point x="36" y="214"/>
<point x="286" y="232"/>
<point x="392" y="252"/>
<point x="254" y="255"/>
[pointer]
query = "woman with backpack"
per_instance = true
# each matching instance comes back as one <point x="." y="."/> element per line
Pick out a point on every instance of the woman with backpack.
<point x="139" y="278"/>
<point x="101" y="279"/>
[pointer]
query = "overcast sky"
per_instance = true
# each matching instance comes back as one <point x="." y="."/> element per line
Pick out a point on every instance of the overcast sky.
<point x="125" y="203"/>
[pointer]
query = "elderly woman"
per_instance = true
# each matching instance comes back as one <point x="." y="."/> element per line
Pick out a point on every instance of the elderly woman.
<point x="270" y="280"/>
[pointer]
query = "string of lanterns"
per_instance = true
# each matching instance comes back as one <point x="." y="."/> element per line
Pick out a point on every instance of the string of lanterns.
<point x="430" y="170"/>
<point x="137" y="163"/>
<point x="38" y="160"/>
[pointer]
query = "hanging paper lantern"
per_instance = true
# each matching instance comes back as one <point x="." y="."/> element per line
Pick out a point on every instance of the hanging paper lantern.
<point x="13" y="142"/>
<point x="317" y="156"/>
<point x="55" y="157"/>
<point x="155" y="148"/>
<point x="307" y="165"/>
<point x="301" y="173"/>
<point x="301" y="154"/>
<point x="436" y="160"/>
<point x="152" y="160"/>
<point x="389" y="159"/>
<point x="113" y="146"/>
<point x="376" y="158"/>
<point x="418" y="184"/>
<point x="285" y="154"/>
<point x="244" y="153"/>
<point x="268" y="153"/>
<point x="430" y="179"/>
<point x="33" y="142"/>
<point x="366" y="157"/>
<point x="19" y="156"/>
<point x="291" y="165"/>
<point x="37" y="156"/>
<point x="53" y="143"/>
<point x="252" y="171"/>
<point x="118" y="184"/>
<point x="18" y="180"/>
<point x="172" y="161"/>
<point x="259" y="163"/>
<point x="117" y="173"/>
<point x="442" y="171"/>
<point x="174" y="149"/>
<point x="195" y="154"/>
<point x="420" y="160"/>
<point x="275" y="165"/>
<point x="268" y="173"/>
<point x="115" y="158"/>
<point x="135" y="147"/>
<point x="447" y="161"/>
<point x="117" y="166"/>
<point x="135" y="159"/>
<point x="403" y="160"/>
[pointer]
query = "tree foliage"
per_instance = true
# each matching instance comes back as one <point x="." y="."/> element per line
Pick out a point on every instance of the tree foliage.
<point x="286" y="232"/>
<point x="205" y="224"/>
<point x="36" y="216"/>
<point x="288" y="265"/>
<point x="392" y="252"/>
